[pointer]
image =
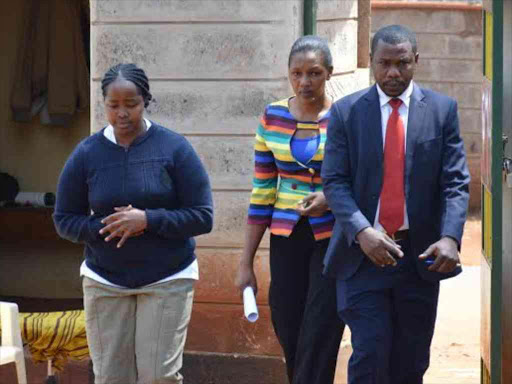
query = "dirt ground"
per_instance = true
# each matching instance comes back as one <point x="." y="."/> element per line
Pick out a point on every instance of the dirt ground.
<point x="472" y="242"/>
<point x="455" y="352"/>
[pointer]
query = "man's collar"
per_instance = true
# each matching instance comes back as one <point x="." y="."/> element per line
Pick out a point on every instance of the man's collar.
<point x="405" y="96"/>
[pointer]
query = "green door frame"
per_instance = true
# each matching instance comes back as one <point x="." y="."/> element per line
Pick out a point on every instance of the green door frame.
<point x="495" y="259"/>
<point x="310" y="17"/>
<point x="497" y="192"/>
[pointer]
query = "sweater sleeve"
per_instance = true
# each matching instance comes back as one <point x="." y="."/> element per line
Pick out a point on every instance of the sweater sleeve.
<point x="71" y="216"/>
<point x="264" y="182"/>
<point x="194" y="216"/>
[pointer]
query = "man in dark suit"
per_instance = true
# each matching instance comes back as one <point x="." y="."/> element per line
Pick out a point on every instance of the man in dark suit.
<point x="396" y="179"/>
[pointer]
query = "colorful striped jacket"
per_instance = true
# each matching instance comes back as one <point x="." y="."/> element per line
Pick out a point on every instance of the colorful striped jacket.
<point x="280" y="182"/>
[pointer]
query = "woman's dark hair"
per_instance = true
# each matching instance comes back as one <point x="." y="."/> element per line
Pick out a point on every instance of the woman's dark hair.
<point x="312" y="43"/>
<point x="131" y="73"/>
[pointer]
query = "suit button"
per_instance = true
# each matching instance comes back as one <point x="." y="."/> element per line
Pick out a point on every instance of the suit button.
<point x="294" y="186"/>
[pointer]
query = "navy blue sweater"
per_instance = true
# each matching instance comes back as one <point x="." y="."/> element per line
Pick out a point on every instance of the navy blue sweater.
<point x="159" y="173"/>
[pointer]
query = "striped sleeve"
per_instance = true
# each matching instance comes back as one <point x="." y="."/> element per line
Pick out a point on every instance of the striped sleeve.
<point x="264" y="182"/>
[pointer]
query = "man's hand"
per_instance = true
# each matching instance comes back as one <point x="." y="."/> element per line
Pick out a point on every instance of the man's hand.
<point x="313" y="204"/>
<point x="125" y="223"/>
<point x="446" y="255"/>
<point x="379" y="247"/>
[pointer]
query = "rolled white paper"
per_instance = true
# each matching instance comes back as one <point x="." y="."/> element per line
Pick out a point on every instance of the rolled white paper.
<point x="37" y="199"/>
<point x="250" y="308"/>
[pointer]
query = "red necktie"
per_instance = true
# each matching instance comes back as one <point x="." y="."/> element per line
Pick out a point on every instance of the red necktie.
<point x="392" y="200"/>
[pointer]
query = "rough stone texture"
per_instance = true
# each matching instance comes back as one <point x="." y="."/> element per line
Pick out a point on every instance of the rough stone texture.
<point x="474" y="168"/>
<point x="475" y="187"/>
<point x="230" y="220"/>
<point x="337" y="22"/>
<point x="450" y="47"/>
<point x="473" y="144"/>
<point x="470" y="121"/>
<point x="468" y="2"/>
<point x="342" y="37"/>
<point x="363" y="33"/>
<point x="343" y="85"/>
<point x="430" y="21"/>
<point x="223" y="328"/>
<point x="205" y="107"/>
<point x="458" y="70"/>
<point x="468" y="95"/>
<point x="217" y="269"/>
<point x="218" y="368"/>
<point x="336" y="9"/>
<point x="195" y="10"/>
<point x="194" y="51"/>
<point x="228" y="160"/>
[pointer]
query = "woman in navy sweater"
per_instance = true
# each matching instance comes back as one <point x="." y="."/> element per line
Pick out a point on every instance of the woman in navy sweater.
<point x="136" y="194"/>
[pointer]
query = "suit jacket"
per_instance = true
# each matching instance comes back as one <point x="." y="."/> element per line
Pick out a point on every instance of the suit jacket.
<point x="436" y="175"/>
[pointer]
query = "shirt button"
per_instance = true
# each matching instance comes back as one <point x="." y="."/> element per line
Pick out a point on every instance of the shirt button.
<point x="311" y="170"/>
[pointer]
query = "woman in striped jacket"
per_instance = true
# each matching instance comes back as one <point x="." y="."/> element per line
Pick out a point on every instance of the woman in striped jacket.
<point x="287" y="197"/>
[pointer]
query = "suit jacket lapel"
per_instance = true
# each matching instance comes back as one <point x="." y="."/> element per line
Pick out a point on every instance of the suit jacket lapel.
<point x="371" y="123"/>
<point x="372" y="120"/>
<point x="417" y="109"/>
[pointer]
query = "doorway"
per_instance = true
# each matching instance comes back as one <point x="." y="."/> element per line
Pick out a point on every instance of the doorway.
<point x="44" y="113"/>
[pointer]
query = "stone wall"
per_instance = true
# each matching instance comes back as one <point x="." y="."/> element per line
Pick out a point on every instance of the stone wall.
<point x="213" y="66"/>
<point x="450" y="47"/>
<point x="450" y="2"/>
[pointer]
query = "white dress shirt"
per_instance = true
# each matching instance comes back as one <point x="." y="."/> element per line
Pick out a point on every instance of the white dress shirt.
<point x="191" y="272"/>
<point x="385" y="112"/>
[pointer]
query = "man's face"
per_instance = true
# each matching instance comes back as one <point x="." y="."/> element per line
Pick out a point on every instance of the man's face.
<point x="393" y="66"/>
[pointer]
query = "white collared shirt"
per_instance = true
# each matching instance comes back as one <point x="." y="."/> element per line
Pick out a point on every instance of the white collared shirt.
<point x="385" y="112"/>
<point x="191" y="272"/>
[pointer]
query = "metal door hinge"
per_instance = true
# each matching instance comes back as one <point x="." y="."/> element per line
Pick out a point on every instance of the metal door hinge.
<point x="507" y="164"/>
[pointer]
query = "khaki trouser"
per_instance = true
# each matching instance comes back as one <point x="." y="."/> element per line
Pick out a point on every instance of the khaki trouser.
<point x="137" y="336"/>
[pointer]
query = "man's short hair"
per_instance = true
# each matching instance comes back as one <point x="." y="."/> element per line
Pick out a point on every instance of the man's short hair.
<point x="394" y="34"/>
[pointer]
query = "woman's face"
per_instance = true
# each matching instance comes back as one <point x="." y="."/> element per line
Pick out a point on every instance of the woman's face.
<point x="308" y="75"/>
<point x="124" y="107"/>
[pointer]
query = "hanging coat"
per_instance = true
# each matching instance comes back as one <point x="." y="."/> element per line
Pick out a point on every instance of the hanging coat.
<point x="52" y="76"/>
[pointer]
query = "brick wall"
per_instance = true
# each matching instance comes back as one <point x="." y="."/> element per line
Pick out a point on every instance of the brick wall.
<point x="450" y="47"/>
